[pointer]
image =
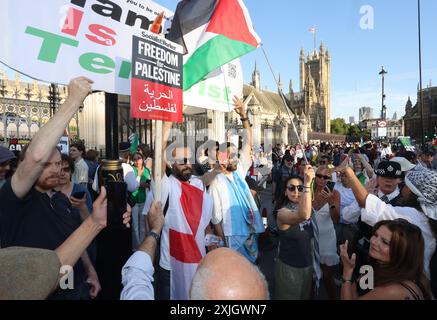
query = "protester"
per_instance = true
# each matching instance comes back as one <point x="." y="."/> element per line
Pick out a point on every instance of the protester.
<point x="138" y="197"/>
<point x="80" y="175"/>
<point x="5" y="157"/>
<point x="82" y="207"/>
<point x="222" y="275"/>
<point x="279" y="175"/>
<point x="187" y="210"/>
<point x="236" y="217"/>
<point x="326" y="205"/>
<point x="426" y="159"/>
<point x="92" y="160"/>
<point x="32" y="214"/>
<point x="294" y="265"/>
<point x="418" y="206"/>
<point x="33" y="274"/>
<point x="396" y="257"/>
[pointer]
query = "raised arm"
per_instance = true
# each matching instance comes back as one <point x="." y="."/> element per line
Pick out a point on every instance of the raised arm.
<point x="241" y="110"/>
<point x="46" y="139"/>
<point x="305" y="203"/>
<point x="369" y="170"/>
<point x="359" y="191"/>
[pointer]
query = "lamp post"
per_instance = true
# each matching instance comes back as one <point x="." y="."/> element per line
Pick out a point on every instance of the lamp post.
<point x="383" y="108"/>
<point x="420" y="76"/>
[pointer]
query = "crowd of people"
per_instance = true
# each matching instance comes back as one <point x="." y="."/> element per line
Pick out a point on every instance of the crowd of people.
<point x="336" y="208"/>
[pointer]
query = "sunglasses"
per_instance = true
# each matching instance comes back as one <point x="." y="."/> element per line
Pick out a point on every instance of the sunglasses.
<point x="323" y="177"/>
<point x="182" y="161"/>
<point x="291" y="187"/>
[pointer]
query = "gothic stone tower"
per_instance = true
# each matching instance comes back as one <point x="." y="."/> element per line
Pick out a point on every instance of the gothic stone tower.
<point x="315" y="86"/>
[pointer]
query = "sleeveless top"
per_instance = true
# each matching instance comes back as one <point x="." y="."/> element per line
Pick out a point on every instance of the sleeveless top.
<point x="295" y="243"/>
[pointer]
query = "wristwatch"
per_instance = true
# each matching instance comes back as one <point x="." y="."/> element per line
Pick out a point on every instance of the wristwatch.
<point x="153" y="234"/>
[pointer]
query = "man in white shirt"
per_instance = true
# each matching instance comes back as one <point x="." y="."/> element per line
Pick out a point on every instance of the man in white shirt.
<point x="187" y="210"/>
<point x="80" y="175"/>
<point x="214" y="278"/>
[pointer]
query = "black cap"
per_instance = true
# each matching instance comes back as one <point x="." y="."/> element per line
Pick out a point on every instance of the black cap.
<point x="389" y="169"/>
<point x="6" y="155"/>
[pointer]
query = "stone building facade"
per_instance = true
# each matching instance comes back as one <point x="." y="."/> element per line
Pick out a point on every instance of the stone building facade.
<point x="413" y="119"/>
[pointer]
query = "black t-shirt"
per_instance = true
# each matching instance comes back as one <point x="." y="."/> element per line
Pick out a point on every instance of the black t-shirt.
<point x="37" y="221"/>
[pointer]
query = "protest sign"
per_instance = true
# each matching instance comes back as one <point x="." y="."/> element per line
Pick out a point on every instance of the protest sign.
<point x="156" y="79"/>
<point x="18" y="144"/>
<point x="58" y="40"/>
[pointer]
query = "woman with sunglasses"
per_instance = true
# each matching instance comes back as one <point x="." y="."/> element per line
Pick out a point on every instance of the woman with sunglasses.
<point x="396" y="256"/>
<point x="326" y="206"/>
<point x="293" y="269"/>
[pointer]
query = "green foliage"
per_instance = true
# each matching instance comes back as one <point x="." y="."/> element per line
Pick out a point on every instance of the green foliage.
<point x="354" y="132"/>
<point x="339" y="126"/>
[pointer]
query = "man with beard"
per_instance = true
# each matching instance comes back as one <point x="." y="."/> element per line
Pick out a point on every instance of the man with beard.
<point x="187" y="209"/>
<point x="236" y="217"/>
<point x="32" y="214"/>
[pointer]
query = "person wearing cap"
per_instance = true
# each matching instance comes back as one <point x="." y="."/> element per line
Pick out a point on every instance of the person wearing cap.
<point x="280" y="174"/>
<point x="418" y="204"/>
<point x="32" y="214"/>
<point x="5" y="157"/>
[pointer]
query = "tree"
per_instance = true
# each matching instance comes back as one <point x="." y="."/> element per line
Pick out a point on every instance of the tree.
<point x="339" y="126"/>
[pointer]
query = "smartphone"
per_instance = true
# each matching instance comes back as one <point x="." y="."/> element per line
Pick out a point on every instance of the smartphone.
<point x="330" y="185"/>
<point x="117" y="204"/>
<point x="79" y="195"/>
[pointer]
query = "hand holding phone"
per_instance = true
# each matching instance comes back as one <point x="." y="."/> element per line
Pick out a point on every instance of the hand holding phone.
<point x="330" y="185"/>
<point x="79" y="195"/>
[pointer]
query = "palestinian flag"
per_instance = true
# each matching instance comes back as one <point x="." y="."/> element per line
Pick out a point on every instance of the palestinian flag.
<point x="213" y="33"/>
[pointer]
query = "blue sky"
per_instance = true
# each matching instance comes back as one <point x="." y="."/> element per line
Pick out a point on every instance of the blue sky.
<point x="357" y="55"/>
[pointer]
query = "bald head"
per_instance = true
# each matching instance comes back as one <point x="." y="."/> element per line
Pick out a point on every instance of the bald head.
<point x="224" y="274"/>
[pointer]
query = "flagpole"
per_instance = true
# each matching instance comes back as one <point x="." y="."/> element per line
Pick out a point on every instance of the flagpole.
<point x="315" y="31"/>
<point x="285" y="104"/>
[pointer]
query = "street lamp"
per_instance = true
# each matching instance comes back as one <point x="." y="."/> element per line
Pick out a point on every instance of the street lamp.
<point x="420" y="75"/>
<point x="383" y="108"/>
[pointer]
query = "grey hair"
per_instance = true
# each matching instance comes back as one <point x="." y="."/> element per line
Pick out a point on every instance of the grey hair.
<point x="203" y="274"/>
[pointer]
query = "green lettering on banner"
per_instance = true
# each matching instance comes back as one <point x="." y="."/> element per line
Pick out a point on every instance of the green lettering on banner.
<point x="90" y="61"/>
<point x="214" y="92"/>
<point x="125" y="70"/>
<point x="51" y="44"/>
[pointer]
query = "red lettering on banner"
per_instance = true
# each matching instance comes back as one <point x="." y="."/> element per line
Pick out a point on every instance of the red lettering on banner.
<point x="72" y="22"/>
<point x="104" y="33"/>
